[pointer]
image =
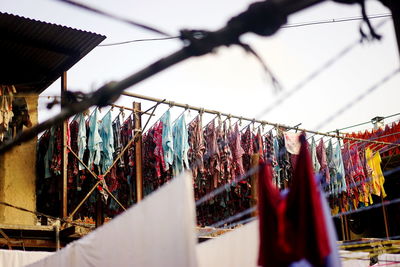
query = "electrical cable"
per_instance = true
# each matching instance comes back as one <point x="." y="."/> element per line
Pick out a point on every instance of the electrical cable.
<point x="363" y="123"/>
<point x="294" y="25"/>
<point x="313" y="75"/>
<point x="115" y="17"/>
<point x="360" y="97"/>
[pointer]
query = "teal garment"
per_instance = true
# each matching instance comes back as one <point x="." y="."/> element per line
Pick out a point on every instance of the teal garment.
<point x="181" y="145"/>
<point x="82" y="142"/>
<point x="49" y="154"/>
<point x="107" y="136"/>
<point x="341" y="177"/>
<point x="94" y="142"/>
<point x="167" y="139"/>
<point x="315" y="162"/>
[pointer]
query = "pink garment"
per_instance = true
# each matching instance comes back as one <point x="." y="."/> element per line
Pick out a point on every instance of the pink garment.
<point x="292" y="142"/>
<point x="237" y="151"/>
<point x="212" y="155"/>
<point x="158" y="150"/>
<point x="197" y="146"/>
<point x="321" y="155"/>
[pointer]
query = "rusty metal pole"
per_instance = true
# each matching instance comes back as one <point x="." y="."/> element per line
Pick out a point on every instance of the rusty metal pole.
<point x="138" y="151"/>
<point x="64" y="162"/>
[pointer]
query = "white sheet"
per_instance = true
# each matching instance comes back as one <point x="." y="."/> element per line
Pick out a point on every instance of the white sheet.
<point x="159" y="231"/>
<point x="19" y="258"/>
<point x="238" y="248"/>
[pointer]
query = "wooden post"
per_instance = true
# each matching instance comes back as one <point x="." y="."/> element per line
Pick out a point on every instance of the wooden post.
<point x="64" y="161"/>
<point x="138" y="151"/>
<point x="385" y="218"/>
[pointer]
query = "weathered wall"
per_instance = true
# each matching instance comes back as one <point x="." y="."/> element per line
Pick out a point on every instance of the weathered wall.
<point x="17" y="177"/>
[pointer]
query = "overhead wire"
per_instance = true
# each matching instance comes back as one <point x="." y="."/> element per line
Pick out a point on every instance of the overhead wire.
<point x="290" y="25"/>
<point x="115" y="17"/>
<point x="313" y="75"/>
<point x="360" y="97"/>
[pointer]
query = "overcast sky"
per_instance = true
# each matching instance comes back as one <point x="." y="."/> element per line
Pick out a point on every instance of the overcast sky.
<point x="230" y="80"/>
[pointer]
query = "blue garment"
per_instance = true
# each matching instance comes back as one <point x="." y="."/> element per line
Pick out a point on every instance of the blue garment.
<point x="80" y="118"/>
<point x="106" y="134"/>
<point x="333" y="186"/>
<point x="167" y="140"/>
<point x="341" y="176"/>
<point x="94" y="142"/>
<point x="181" y="145"/>
<point x="49" y="153"/>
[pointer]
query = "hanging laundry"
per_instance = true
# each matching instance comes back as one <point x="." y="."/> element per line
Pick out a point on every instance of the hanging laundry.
<point x="167" y="139"/>
<point x="284" y="161"/>
<point x="292" y="142"/>
<point x="374" y="162"/>
<point x="340" y="175"/>
<point x="247" y="145"/>
<point x="314" y="158"/>
<point x="225" y="153"/>
<point x="107" y="137"/>
<point x="197" y="146"/>
<point x="6" y="113"/>
<point x="212" y="157"/>
<point x="82" y="138"/>
<point x="94" y="141"/>
<point x="117" y="139"/>
<point x="158" y="150"/>
<point x="292" y="227"/>
<point x="181" y="145"/>
<point x="324" y="169"/>
<point x="271" y="156"/>
<point x="237" y="151"/>
<point x="20" y="117"/>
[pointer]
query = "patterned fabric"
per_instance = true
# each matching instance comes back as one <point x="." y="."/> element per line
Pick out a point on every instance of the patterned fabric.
<point x="158" y="150"/>
<point x="237" y="151"/>
<point x="324" y="169"/>
<point x="197" y="146"/>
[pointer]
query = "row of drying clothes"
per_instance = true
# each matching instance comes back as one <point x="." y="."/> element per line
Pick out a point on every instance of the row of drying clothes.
<point x="96" y="142"/>
<point x="350" y="174"/>
<point x="217" y="154"/>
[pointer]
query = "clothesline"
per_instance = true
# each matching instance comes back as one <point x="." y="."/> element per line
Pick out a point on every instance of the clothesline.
<point x="262" y="122"/>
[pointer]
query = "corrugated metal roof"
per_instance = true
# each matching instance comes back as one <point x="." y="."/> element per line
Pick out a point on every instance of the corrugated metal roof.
<point x="33" y="54"/>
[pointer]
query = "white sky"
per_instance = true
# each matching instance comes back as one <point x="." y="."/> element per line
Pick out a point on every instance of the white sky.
<point x="230" y="80"/>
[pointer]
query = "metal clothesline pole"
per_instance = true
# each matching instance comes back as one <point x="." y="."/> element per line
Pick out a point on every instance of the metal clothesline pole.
<point x="262" y="122"/>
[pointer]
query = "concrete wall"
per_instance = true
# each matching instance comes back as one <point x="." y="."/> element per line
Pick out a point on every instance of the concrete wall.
<point x="17" y="177"/>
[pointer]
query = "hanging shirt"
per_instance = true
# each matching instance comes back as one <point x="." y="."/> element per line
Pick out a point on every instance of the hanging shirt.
<point x="374" y="162"/>
<point x="315" y="162"/>
<point x="324" y="170"/>
<point x="292" y="142"/>
<point x="94" y="142"/>
<point x="197" y="146"/>
<point x="340" y="174"/>
<point x="158" y="150"/>
<point x="116" y="125"/>
<point x="49" y="153"/>
<point x="82" y="141"/>
<point x="237" y="151"/>
<point x="181" y="145"/>
<point x="106" y="134"/>
<point x="167" y="139"/>
<point x="332" y="169"/>
<point x="212" y="157"/>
